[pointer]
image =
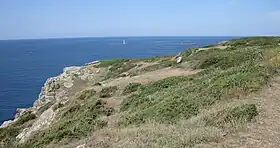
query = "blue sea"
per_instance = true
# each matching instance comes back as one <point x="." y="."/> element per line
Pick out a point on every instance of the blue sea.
<point x="26" y="64"/>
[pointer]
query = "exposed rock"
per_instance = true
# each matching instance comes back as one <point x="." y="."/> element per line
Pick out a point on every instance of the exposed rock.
<point x="93" y="63"/>
<point x="68" y="84"/>
<point x="125" y="74"/>
<point x="43" y="122"/>
<point x="55" y="90"/>
<point x="179" y="59"/>
<point x="7" y="123"/>
<point x="85" y="77"/>
<point x="20" y="112"/>
<point x="81" y="146"/>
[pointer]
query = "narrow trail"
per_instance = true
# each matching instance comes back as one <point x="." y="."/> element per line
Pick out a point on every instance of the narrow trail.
<point x="265" y="131"/>
<point x="151" y="76"/>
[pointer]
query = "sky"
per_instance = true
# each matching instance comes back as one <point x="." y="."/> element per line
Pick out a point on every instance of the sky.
<point x="25" y="19"/>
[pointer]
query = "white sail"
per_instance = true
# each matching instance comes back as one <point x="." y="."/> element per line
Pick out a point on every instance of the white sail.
<point x="124" y="42"/>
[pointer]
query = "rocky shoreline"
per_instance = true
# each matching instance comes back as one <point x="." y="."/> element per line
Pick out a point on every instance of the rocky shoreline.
<point x="56" y="90"/>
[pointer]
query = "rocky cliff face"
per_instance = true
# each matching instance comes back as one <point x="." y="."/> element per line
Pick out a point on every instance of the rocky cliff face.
<point x="56" y="90"/>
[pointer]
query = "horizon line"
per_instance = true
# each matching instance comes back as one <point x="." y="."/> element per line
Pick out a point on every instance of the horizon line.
<point x="80" y="37"/>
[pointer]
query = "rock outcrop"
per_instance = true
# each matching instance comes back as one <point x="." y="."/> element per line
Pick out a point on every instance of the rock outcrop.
<point x="56" y="90"/>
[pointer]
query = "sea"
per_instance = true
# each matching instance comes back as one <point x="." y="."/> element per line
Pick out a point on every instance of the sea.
<point x="26" y="64"/>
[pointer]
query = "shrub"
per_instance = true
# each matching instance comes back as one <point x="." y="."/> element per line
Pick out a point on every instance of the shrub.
<point x="8" y="136"/>
<point x="108" y="91"/>
<point x="25" y="118"/>
<point x="131" y="87"/>
<point x="119" y="67"/>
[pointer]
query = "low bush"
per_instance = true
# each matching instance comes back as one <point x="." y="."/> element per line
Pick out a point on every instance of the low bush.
<point x="131" y="87"/>
<point x="108" y="91"/>
<point x="75" y="121"/>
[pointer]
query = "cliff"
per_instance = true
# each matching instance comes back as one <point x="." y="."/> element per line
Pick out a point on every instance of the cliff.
<point x="201" y="97"/>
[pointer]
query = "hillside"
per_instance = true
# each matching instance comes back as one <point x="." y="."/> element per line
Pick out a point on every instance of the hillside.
<point x="223" y="95"/>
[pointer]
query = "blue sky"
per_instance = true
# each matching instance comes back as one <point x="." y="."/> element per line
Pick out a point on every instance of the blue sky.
<point x="80" y="18"/>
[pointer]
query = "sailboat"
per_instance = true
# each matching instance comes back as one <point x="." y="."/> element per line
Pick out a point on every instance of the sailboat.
<point x="124" y="42"/>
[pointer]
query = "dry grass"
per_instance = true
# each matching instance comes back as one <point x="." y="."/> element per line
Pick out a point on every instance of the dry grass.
<point x="154" y="135"/>
<point x="186" y="133"/>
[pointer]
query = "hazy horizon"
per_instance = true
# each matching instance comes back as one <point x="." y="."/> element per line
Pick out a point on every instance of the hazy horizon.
<point x="75" y="19"/>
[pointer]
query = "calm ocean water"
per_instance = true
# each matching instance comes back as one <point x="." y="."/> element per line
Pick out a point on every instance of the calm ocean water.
<point x="26" y="64"/>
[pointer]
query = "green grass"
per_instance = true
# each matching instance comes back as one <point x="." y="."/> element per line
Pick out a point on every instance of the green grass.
<point x="228" y="74"/>
<point x="254" y="41"/>
<point x="107" y="63"/>
<point x="155" y="58"/>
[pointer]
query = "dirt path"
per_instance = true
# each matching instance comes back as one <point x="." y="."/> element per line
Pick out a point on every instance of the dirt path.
<point x="151" y="76"/>
<point x="265" y="132"/>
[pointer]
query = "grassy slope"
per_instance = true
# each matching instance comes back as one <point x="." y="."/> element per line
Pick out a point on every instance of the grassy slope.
<point x="174" y="105"/>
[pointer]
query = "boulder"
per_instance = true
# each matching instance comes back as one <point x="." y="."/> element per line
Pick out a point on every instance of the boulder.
<point x="179" y="59"/>
<point x="93" y="63"/>
<point x="7" y="123"/>
<point x="125" y="74"/>
<point x="81" y="146"/>
<point x="43" y="122"/>
<point x="20" y="112"/>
